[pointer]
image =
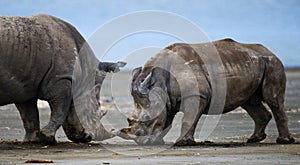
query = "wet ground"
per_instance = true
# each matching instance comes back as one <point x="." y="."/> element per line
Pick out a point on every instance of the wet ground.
<point x="224" y="143"/>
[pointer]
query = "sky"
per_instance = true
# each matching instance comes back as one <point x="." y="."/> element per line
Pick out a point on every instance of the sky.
<point x="273" y="23"/>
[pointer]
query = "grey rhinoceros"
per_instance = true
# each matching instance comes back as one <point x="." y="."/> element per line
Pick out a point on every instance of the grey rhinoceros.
<point x="179" y="78"/>
<point x="43" y="57"/>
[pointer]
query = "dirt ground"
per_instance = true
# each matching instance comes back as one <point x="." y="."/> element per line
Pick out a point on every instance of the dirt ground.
<point x="203" y="153"/>
<point x="225" y="144"/>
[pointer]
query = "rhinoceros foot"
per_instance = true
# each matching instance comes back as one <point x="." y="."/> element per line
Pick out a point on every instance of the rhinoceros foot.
<point x="32" y="137"/>
<point x="47" y="139"/>
<point x="185" y="142"/>
<point x="82" y="138"/>
<point x="39" y="138"/>
<point x="285" y="140"/>
<point x="256" y="138"/>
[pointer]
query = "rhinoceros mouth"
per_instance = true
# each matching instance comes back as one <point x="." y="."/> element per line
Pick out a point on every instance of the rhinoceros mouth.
<point x="125" y="133"/>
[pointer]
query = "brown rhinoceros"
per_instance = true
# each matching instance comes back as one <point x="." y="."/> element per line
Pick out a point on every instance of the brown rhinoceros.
<point x="43" y="57"/>
<point x="179" y="78"/>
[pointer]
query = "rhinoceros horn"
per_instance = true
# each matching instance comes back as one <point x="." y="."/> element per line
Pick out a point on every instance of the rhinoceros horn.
<point x="143" y="88"/>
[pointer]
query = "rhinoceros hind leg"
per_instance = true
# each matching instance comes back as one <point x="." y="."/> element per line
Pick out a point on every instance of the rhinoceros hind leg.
<point x="261" y="117"/>
<point x="287" y="140"/>
<point x="281" y="120"/>
<point x="30" y="117"/>
<point x="273" y="93"/>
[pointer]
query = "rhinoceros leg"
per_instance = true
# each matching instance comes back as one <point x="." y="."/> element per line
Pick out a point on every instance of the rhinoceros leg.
<point x="191" y="116"/>
<point x="73" y="128"/>
<point x="59" y="100"/>
<point x="30" y="117"/>
<point x="273" y="93"/>
<point x="261" y="117"/>
<point x="281" y="120"/>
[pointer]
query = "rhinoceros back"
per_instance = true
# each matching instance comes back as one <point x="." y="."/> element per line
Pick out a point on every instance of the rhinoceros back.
<point x="34" y="51"/>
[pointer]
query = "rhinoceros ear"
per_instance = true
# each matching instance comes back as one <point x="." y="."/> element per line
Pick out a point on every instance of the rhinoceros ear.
<point x="136" y="72"/>
<point x="111" y="66"/>
<point x="119" y="65"/>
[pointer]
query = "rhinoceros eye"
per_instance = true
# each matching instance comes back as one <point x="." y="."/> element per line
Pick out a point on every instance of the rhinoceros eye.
<point x="146" y="118"/>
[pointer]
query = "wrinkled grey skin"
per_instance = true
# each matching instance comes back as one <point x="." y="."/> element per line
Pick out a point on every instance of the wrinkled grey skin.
<point x="40" y="59"/>
<point x="163" y="87"/>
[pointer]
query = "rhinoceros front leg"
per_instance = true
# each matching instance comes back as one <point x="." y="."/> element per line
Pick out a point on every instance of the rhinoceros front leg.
<point x="192" y="109"/>
<point x="74" y="129"/>
<point x="59" y="100"/>
<point x="30" y="117"/>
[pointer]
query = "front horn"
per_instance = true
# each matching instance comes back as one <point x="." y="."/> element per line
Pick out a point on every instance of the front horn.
<point x="143" y="87"/>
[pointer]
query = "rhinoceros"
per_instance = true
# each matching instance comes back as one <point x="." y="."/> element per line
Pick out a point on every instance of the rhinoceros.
<point x="43" y="57"/>
<point x="179" y="79"/>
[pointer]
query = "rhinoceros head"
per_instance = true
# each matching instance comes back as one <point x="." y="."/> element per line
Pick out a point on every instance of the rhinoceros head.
<point x="86" y="96"/>
<point x="147" y="124"/>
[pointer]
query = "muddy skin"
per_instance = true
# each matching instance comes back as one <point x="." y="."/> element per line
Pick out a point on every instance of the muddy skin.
<point x="253" y="76"/>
